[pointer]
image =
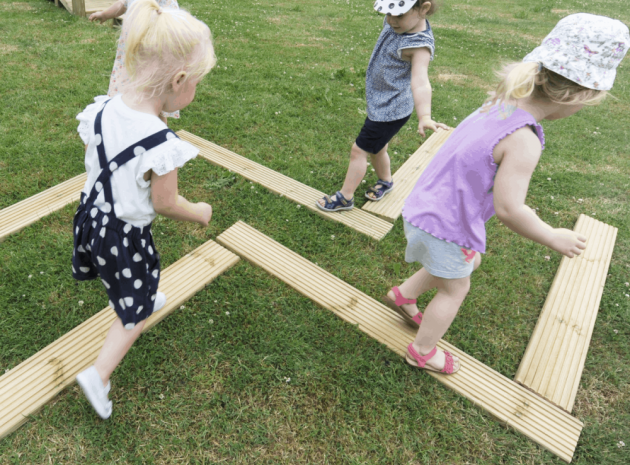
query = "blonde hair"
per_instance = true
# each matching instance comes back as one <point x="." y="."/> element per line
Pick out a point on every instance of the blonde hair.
<point x="160" y="43"/>
<point x="521" y="80"/>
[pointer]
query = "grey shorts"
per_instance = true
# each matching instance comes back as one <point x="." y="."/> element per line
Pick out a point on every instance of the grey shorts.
<point x="440" y="258"/>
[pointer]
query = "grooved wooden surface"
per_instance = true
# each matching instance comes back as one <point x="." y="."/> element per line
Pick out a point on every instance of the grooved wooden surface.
<point x="516" y="406"/>
<point x="286" y="186"/>
<point x="554" y="359"/>
<point x="30" y="385"/>
<point x="390" y="207"/>
<point x="28" y="211"/>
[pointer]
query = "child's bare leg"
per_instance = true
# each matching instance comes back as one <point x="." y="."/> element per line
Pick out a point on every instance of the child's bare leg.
<point x="117" y="343"/>
<point x="438" y="317"/>
<point x="419" y="283"/>
<point x="356" y="171"/>
<point x="381" y="164"/>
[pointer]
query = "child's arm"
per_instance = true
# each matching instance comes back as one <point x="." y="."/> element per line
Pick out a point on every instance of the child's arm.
<point x="520" y="154"/>
<point x="167" y="202"/>
<point x="421" y="88"/>
<point x="113" y="11"/>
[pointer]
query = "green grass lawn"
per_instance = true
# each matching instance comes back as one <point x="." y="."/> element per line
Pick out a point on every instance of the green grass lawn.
<point x="288" y="92"/>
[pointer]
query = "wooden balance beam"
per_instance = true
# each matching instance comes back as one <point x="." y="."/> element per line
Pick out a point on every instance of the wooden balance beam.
<point x="516" y="406"/>
<point x="33" y="383"/>
<point x="390" y="207"/>
<point x="20" y="215"/>
<point x="554" y="359"/>
<point x="290" y="188"/>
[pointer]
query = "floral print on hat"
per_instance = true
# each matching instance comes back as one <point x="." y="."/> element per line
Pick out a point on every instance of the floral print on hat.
<point x="584" y="48"/>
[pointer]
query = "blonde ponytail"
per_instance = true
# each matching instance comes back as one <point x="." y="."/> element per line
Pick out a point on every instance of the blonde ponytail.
<point x="160" y="43"/>
<point x="521" y="80"/>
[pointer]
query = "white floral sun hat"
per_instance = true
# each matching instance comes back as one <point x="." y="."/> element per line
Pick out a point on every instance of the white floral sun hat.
<point x="394" y="7"/>
<point x="584" y="48"/>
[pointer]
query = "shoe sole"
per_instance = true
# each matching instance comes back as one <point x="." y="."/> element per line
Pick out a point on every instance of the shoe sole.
<point x="412" y="361"/>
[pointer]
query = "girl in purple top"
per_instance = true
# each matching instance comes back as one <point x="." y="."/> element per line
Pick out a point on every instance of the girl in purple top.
<point x="485" y="167"/>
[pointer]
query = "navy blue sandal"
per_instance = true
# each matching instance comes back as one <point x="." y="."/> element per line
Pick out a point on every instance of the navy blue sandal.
<point x="379" y="192"/>
<point x="340" y="203"/>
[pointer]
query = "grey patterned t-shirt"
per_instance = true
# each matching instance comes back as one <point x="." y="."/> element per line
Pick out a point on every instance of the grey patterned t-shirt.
<point x="388" y="77"/>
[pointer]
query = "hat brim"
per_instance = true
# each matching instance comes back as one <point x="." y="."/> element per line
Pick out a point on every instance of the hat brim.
<point x="393" y="7"/>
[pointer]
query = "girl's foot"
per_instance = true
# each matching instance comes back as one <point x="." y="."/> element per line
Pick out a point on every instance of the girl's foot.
<point x="160" y="301"/>
<point x="335" y="203"/>
<point x="407" y="308"/>
<point x="379" y="190"/>
<point x="440" y="361"/>
<point x="92" y="385"/>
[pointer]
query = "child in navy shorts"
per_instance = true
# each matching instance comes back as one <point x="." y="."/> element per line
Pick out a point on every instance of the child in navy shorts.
<point x="132" y="160"/>
<point x="396" y="81"/>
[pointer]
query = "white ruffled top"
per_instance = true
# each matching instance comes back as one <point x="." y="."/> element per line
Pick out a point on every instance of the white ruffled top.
<point x="122" y="127"/>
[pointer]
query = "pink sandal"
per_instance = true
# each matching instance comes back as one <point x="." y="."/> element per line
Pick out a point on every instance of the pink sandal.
<point x="400" y="300"/>
<point x="422" y="360"/>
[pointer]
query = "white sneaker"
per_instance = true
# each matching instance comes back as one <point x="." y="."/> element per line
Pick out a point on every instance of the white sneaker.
<point x="160" y="301"/>
<point x="96" y="393"/>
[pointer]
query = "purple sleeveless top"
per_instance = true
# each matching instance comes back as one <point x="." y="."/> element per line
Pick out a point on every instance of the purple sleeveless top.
<point x="453" y="198"/>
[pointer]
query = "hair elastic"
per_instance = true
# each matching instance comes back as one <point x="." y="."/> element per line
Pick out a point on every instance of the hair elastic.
<point x="540" y="66"/>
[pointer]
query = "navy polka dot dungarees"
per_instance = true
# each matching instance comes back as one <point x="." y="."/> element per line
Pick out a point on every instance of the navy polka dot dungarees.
<point x="122" y="255"/>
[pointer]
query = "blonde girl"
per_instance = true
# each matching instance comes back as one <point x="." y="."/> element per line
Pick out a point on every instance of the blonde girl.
<point x="132" y="160"/>
<point x="119" y="77"/>
<point x="485" y="167"/>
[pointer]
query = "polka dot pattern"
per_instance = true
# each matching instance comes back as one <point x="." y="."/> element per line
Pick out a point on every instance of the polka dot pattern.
<point x="102" y="253"/>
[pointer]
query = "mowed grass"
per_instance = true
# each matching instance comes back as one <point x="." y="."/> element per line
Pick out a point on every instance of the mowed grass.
<point x="280" y="380"/>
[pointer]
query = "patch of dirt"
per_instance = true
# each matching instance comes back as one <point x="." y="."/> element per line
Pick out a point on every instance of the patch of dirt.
<point x="452" y="77"/>
<point x="87" y="41"/>
<point x="466" y="80"/>
<point x="7" y="49"/>
<point x="16" y="6"/>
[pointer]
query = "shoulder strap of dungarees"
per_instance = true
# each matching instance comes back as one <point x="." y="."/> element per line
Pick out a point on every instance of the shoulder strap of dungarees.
<point x="103" y="182"/>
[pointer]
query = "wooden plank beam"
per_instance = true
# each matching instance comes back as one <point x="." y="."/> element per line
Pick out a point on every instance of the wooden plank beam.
<point x="554" y="359"/>
<point x="20" y="215"/>
<point x="406" y="177"/>
<point x="33" y="383"/>
<point x="514" y="405"/>
<point x="78" y="8"/>
<point x="286" y="186"/>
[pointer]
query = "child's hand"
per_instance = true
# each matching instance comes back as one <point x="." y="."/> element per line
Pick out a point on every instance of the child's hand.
<point x="205" y="212"/>
<point x="98" y="16"/>
<point x="427" y="123"/>
<point x="567" y="242"/>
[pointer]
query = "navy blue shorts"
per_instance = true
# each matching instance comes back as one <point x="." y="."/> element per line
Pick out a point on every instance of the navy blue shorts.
<point x="375" y="135"/>
<point x="123" y="256"/>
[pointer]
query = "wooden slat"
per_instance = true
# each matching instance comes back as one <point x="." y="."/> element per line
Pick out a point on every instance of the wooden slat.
<point x="20" y="215"/>
<point x="30" y="385"/>
<point x="554" y="359"/>
<point x="286" y="186"/>
<point x="406" y="177"/>
<point x="528" y="413"/>
<point x="89" y="6"/>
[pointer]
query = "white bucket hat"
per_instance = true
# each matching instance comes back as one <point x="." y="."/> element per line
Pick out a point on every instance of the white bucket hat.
<point x="394" y="7"/>
<point x="585" y="49"/>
